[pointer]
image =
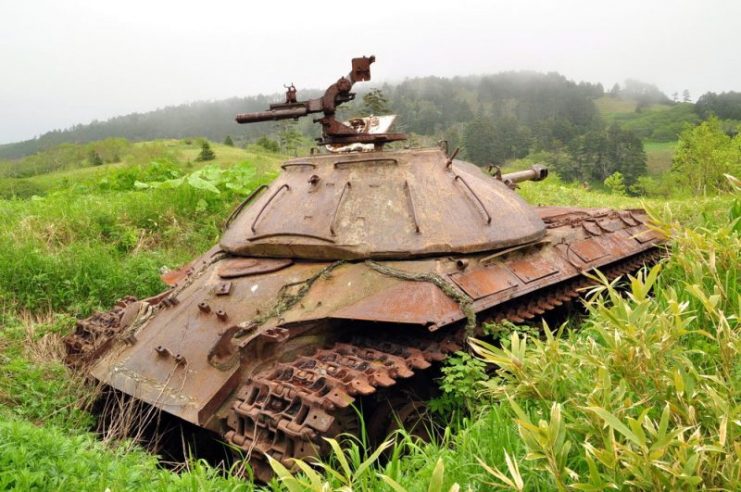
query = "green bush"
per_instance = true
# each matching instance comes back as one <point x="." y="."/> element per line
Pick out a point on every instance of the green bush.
<point x="74" y="251"/>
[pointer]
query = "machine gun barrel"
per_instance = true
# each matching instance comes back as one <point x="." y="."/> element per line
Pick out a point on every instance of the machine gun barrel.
<point x="537" y="172"/>
<point x="333" y="132"/>
<point x="272" y="115"/>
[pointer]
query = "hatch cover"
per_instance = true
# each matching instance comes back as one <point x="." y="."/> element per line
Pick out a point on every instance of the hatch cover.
<point x="484" y="282"/>
<point x="531" y="269"/>
<point x="588" y="250"/>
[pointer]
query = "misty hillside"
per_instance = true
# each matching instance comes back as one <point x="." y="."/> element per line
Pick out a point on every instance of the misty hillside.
<point x="583" y="132"/>
<point x="427" y="106"/>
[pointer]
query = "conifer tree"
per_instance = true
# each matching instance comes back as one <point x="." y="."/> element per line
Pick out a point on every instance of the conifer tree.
<point x="94" y="158"/>
<point x="206" y="153"/>
<point x="375" y="103"/>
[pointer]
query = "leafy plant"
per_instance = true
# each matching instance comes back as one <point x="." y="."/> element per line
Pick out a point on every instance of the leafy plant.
<point x="238" y="179"/>
<point x="345" y="470"/>
<point x="460" y="383"/>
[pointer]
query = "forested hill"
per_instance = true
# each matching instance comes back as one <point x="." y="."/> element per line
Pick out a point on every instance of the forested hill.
<point x="427" y="106"/>
<point x="210" y="119"/>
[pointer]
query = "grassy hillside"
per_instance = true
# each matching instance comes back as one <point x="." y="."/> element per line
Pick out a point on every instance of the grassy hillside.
<point x="550" y="105"/>
<point x="610" y="105"/>
<point x="659" y="156"/>
<point x="44" y="172"/>
<point x="644" y="390"/>
<point x="656" y="122"/>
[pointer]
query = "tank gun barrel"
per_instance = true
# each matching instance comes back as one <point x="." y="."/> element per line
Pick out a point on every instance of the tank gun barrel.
<point x="537" y="172"/>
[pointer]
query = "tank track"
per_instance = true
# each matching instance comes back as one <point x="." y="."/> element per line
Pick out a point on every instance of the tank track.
<point x="285" y="411"/>
<point x="92" y="335"/>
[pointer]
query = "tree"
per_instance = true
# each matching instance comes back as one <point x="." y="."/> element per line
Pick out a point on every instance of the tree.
<point x="206" y="153"/>
<point x="268" y="144"/>
<point x="675" y="96"/>
<point x="289" y="137"/>
<point x="600" y="153"/>
<point x="686" y="96"/>
<point x="478" y="140"/>
<point x="704" y="154"/>
<point x="228" y="141"/>
<point x="644" y="92"/>
<point x="625" y="154"/>
<point x="726" y="105"/>
<point x="375" y="103"/>
<point x="510" y="140"/>
<point x="615" y="91"/>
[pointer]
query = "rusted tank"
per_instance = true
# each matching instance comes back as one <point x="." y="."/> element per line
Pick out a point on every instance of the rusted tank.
<point x="351" y="274"/>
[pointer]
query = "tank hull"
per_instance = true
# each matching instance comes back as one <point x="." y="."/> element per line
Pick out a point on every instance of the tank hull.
<point x="264" y="351"/>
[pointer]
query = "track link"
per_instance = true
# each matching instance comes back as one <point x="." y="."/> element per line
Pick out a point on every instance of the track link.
<point x="93" y="334"/>
<point x="285" y="411"/>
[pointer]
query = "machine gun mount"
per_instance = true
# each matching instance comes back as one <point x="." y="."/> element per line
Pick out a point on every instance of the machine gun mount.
<point x="334" y="132"/>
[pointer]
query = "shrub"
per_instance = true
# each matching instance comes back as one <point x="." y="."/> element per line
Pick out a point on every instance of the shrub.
<point x="615" y="183"/>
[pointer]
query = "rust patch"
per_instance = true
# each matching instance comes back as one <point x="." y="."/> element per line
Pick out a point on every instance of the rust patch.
<point x="174" y="277"/>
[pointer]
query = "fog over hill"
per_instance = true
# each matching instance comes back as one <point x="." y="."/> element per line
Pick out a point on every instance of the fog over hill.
<point x="426" y="105"/>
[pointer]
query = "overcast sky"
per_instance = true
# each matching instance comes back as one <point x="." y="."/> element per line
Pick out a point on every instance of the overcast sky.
<point x="68" y="62"/>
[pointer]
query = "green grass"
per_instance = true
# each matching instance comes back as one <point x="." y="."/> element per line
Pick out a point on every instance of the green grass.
<point x="94" y="237"/>
<point x="685" y="208"/>
<point x="139" y="154"/>
<point x="608" y="105"/>
<point x="659" y="156"/>
<point x="48" y="458"/>
<point x="657" y="123"/>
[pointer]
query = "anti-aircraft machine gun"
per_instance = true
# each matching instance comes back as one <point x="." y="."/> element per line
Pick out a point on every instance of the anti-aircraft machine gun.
<point x="334" y="132"/>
